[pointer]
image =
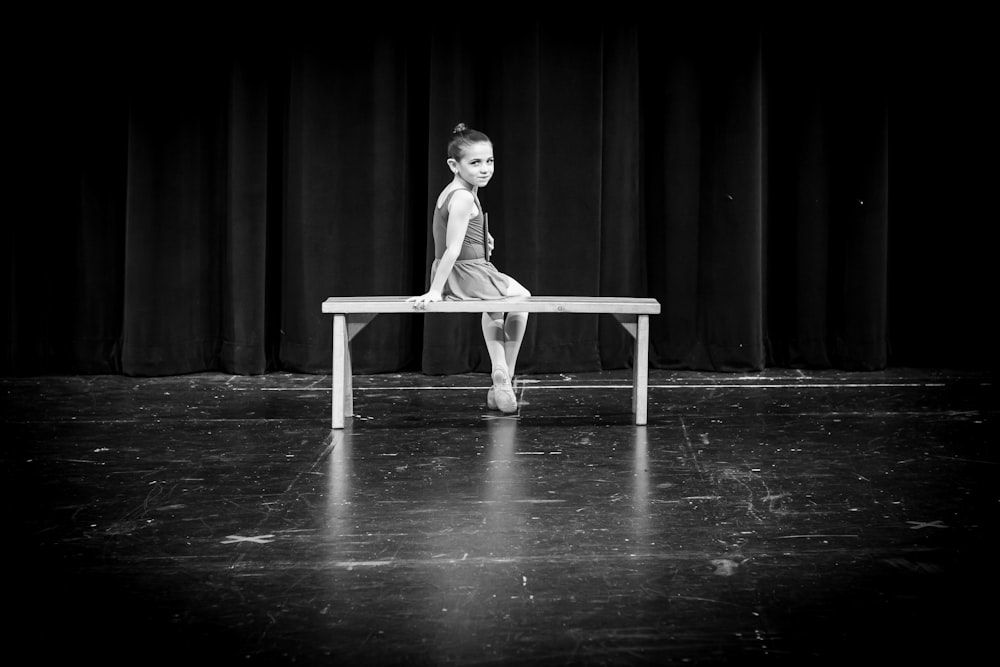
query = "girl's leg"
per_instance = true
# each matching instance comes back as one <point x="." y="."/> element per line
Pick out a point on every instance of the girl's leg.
<point x="501" y="394"/>
<point x="493" y="334"/>
<point x="514" y="327"/>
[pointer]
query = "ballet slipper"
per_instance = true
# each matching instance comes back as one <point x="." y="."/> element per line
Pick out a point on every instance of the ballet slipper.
<point x="491" y="399"/>
<point x="503" y="392"/>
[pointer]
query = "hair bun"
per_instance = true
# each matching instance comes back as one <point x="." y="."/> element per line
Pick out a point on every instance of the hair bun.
<point x="459" y="128"/>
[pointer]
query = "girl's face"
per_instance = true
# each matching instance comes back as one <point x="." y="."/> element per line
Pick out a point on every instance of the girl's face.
<point x="476" y="165"/>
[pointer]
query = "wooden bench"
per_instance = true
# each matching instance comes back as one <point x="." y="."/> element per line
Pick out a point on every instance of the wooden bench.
<point x="352" y="314"/>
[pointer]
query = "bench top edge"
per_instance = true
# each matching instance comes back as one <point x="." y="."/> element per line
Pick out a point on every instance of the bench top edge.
<point x="569" y="304"/>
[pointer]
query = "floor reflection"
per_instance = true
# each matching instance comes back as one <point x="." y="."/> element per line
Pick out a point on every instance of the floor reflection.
<point x="476" y="589"/>
<point x="640" y="489"/>
<point x="503" y="488"/>
<point x="338" y="496"/>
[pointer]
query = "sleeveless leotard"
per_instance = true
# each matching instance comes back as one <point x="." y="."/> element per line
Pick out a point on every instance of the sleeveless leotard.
<point x="474" y="243"/>
<point x="472" y="276"/>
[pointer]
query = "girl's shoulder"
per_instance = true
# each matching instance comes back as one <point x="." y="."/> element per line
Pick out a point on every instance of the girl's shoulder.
<point x="453" y="191"/>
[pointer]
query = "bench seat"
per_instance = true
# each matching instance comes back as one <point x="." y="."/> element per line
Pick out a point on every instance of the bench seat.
<point x="351" y="314"/>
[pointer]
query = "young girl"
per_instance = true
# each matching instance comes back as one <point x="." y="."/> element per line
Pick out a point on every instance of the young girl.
<point x="462" y="269"/>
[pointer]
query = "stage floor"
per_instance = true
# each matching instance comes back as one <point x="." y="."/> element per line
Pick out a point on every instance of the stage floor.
<point x="783" y="517"/>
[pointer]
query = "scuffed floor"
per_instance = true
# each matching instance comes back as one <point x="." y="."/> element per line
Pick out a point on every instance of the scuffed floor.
<point x="776" y="518"/>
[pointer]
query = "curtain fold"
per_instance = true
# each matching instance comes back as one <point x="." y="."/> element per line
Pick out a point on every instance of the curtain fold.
<point x="828" y="208"/>
<point x="244" y="243"/>
<point x="207" y="197"/>
<point x="348" y="176"/>
<point x="174" y="213"/>
<point x="622" y="260"/>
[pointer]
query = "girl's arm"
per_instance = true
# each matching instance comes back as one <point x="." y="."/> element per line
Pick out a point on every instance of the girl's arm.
<point x="459" y="211"/>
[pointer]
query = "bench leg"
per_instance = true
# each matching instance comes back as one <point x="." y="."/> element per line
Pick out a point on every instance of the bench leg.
<point x="640" y="369"/>
<point x="342" y="403"/>
<point x="638" y="328"/>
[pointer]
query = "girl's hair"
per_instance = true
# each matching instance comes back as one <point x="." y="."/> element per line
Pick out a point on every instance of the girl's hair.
<point x="461" y="138"/>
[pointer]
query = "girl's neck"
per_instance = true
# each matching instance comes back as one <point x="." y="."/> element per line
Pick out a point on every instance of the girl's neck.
<point x="464" y="184"/>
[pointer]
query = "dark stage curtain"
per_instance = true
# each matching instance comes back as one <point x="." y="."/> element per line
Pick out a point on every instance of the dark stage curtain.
<point x="190" y="202"/>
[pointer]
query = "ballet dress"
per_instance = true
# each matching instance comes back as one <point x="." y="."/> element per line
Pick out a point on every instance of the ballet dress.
<point x="473" y="276"/>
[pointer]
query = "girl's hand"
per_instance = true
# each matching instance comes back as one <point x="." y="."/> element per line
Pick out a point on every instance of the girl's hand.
<point x="418" y="301"/>
<point x="489" y="242"/>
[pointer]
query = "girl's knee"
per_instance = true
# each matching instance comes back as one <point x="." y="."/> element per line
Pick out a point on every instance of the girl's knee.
<point x="516" y="289"/>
